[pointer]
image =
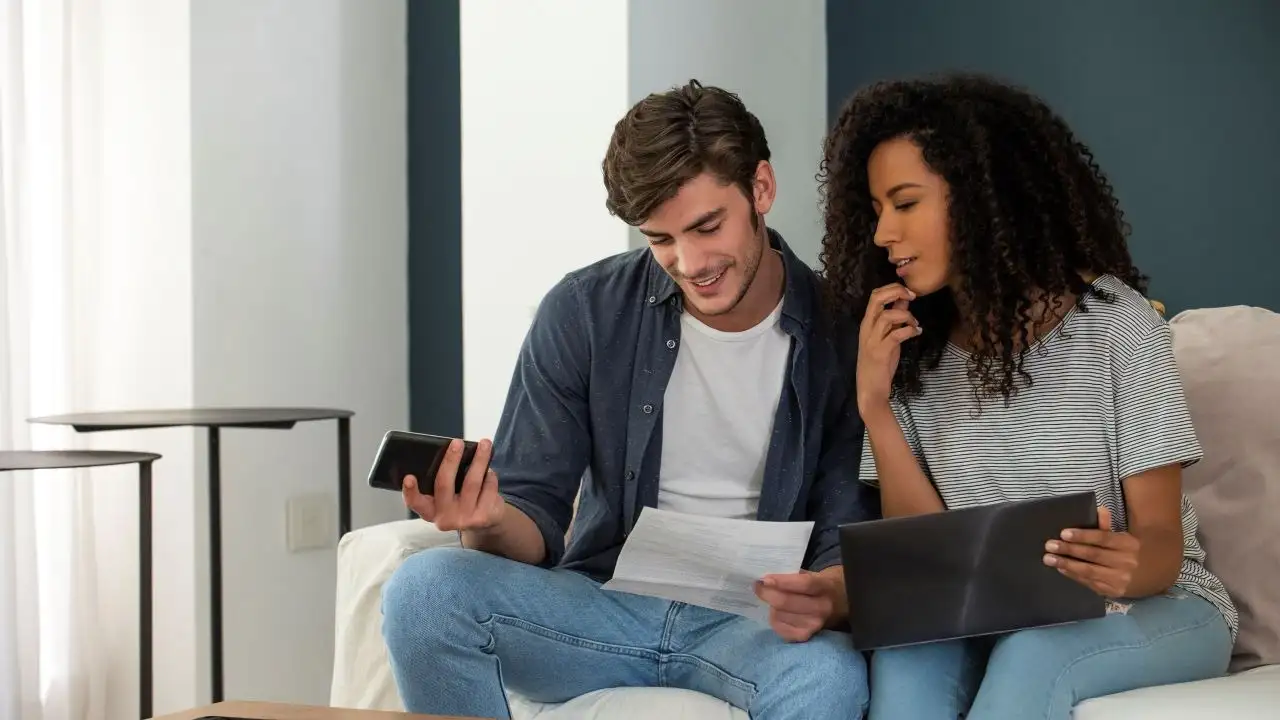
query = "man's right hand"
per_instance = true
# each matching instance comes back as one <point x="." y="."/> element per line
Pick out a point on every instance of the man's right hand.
<point x="478" y="507"/>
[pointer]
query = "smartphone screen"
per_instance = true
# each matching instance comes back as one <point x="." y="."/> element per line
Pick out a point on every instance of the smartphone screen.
<point x="405" y="453"/>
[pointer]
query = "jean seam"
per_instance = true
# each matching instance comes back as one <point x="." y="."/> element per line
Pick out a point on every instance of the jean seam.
<point x="715" y="670"/>
<point x="563" y="637"/>
<point x="668" y="626"/>
<point x="487" y="624"/>
<point x="492" y="642"/>
<point x="664" y="644"/>
<point x="1147" y="642"/>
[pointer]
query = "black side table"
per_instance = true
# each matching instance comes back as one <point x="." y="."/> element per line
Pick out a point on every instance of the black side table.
<point x="215" y="418"/>
<point x="67" y="459"/>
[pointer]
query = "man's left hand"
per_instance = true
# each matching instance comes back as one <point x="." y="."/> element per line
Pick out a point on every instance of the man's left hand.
<point x="801" y="603"/>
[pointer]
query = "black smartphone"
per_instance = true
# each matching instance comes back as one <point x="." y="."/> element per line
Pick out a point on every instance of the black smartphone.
<point x="406" y="453"/>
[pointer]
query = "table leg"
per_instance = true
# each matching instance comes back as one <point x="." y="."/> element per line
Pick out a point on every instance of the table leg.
<point x="344" y="476"/>
<point x="215" y="562"/>
<point x="145" y="676"/>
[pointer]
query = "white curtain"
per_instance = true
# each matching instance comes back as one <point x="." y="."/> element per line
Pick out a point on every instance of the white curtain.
<point x="53" y="665"/>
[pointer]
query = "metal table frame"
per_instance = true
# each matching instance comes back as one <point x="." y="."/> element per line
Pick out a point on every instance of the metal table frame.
<point x="67" y="460"/>
<point x="213" y="420"/>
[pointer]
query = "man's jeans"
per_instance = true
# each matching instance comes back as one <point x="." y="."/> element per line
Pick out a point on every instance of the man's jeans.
<point x="460" y="623"/>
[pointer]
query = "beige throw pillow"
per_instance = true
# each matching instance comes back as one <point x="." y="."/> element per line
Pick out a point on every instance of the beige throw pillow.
<point x="1229" y="360"/>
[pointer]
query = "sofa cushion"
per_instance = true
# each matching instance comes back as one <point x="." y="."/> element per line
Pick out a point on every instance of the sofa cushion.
<point x="628" y="704"/>
<point x="366" y="559"/>
<point x="1252" y="695"/>
<point x="1228" y="359"/>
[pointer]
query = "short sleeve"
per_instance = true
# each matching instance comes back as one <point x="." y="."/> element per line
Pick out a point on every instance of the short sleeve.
<point x="867" y="467"/>
<point x="1154" y="425"/>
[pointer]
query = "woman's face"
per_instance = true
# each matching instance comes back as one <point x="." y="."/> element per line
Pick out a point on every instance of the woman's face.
<point x="910" y="201"/>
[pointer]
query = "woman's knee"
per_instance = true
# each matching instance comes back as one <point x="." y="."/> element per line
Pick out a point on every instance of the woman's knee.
<point x="1046" y="671"/>
<point x="934" y="680"/>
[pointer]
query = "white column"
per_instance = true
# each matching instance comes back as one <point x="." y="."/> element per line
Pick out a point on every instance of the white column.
<point x="138" y="344"/>
<point x="542" y="86"/>
<point x="774" y="55"/>
<point x="300" y="298"/>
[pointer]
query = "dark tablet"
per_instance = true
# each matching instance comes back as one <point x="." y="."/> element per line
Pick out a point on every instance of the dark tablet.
<point x="963" y="573"/>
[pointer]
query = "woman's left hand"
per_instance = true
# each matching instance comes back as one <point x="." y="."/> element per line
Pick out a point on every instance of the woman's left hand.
<point x="1101" y="560"/>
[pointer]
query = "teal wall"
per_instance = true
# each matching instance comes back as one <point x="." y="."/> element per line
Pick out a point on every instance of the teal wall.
<point x="435" y="217"/>
<point x="1179" y="99"/>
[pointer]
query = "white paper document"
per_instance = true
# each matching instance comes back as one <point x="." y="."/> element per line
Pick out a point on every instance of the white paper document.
<point x="707" y="561"/>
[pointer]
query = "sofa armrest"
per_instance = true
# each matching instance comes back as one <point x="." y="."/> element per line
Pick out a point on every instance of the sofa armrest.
<point x="367" y="557"/>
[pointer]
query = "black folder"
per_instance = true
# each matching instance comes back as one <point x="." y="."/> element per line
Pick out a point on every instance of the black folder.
<point x="963" y="573"/>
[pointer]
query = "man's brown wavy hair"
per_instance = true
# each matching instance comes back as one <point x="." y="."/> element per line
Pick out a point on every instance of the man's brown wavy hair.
<point x="669" y="138"/>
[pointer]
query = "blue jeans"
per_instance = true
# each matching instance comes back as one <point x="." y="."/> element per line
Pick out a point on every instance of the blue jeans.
<point x="1043" y="672"/>
<point x="461" y="624"/>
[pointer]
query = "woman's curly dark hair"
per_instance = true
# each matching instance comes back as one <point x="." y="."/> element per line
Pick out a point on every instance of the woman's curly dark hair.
<point x="1029" y="211"/>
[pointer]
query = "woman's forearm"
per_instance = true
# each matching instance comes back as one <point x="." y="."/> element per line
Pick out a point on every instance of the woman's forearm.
<point x="904" y="489"/>
<point x="1153" y="501"/>
<point x="1159" y="561"/>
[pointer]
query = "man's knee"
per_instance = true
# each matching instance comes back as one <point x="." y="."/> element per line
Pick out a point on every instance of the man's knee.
<point x="830" y="657"/>
<point x="825" y="675"/>
<point x="429" y="588"/>
<point x="843" y="671"/>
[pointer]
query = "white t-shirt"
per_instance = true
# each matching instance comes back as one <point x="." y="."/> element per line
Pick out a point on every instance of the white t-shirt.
<point x="717" y="417"/>
<point x="1106" y="403"/>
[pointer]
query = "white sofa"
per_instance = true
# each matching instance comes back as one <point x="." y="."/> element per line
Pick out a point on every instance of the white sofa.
<point x="1233" y="488"/>
<point x="362" y="676"/>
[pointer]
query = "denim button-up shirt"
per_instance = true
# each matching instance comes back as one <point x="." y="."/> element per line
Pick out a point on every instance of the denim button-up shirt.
<point x="585" y="408"/>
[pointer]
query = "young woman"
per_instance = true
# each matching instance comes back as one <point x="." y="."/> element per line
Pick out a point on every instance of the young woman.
<point x="1007" y="352"/>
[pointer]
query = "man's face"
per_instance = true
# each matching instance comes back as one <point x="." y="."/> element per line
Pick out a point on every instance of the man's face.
<point x="710" y="239"/>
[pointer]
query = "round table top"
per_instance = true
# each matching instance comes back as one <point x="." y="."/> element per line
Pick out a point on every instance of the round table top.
<point x="58" y="459"/>
<point x="245" y="417"/>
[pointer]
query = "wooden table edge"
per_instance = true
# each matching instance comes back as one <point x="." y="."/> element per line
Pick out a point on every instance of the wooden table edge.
<point x="281" y="711"/>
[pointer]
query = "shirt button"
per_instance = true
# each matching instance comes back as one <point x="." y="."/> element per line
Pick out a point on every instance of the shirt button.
<point x="630" y="475"/>
<point x="671" y="344"/>
<point x="647" y="409"/>
<point x="652" y="299"/>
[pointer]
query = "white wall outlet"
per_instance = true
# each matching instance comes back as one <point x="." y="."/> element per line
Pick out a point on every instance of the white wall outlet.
<point x="310" y="522"/>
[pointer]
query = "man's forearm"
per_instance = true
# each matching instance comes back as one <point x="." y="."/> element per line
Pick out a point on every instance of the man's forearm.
<point x="904" y="488"/>
<point x="517" y="537"/>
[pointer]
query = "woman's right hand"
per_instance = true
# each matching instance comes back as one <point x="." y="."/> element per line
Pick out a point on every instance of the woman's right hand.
<point x="885" y="326"/>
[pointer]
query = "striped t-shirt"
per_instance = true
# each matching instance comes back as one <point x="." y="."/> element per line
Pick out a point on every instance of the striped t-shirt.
<point x="1105" y="403"/>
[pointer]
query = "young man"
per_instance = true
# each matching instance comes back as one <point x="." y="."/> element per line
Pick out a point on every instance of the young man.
<point x="697" y="376"/>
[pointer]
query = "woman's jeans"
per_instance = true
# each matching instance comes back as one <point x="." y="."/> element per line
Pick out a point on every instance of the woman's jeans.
<point x="1044" y="672"/>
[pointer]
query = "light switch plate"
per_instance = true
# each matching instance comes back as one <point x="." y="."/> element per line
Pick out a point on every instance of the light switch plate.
<point x="310" y="522"/>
